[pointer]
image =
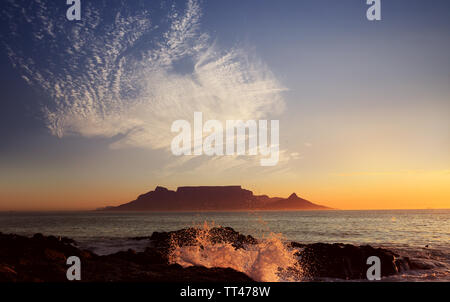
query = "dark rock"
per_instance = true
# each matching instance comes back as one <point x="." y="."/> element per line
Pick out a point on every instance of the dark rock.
<point x="139" y="238"/>
<point x="43" y="259"/>
<point x="189" y="236"/>
<point x="346" y="261"/>
<point x="7" y="273"/>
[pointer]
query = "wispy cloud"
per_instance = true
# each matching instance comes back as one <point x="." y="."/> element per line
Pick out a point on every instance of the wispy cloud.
<point x="121" y="77"/>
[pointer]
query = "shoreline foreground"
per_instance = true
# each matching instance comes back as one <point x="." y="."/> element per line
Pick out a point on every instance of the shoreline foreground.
<point x="43" y="259"/>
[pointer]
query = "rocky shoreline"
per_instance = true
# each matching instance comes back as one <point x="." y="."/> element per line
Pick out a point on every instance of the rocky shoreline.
<point x="43" y="259"/>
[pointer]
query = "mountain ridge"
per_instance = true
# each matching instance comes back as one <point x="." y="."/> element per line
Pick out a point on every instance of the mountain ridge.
<point x="212" y="198"/>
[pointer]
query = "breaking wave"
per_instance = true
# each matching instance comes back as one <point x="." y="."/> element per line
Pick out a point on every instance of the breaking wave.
<point x="269" y="260"/>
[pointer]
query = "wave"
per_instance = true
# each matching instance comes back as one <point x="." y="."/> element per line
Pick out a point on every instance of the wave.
<point x="270" y="260"/>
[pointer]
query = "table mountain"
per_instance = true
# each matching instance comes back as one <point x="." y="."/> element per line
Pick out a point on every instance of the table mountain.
<point x="212" y="198"/>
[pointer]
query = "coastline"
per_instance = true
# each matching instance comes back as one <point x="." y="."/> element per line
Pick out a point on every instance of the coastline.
<point x="43" y="259"/>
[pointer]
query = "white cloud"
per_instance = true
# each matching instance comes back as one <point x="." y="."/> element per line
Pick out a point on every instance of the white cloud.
<point x="105" y="89"/>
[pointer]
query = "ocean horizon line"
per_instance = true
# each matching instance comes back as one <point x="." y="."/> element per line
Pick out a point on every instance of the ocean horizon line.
<point x="211" y="211"/>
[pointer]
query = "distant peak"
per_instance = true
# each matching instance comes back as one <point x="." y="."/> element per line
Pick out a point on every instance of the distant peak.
<point x="217" y="198"/>
<point x="161" y="189"/>
<point x="293" y="195"/>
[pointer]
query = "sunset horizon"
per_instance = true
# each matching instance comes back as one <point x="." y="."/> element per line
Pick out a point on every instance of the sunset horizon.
<point x="342" y="141"/>
<point x="132" y="196"/>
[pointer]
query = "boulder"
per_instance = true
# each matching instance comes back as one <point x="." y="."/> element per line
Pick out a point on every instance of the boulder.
<point x="43" y="259"/>
<point x="346" y="261"/>
<point x="189" y="236"/>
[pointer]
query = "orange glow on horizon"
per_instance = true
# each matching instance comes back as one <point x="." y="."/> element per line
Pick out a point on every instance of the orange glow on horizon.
<point x="351" y="191"/>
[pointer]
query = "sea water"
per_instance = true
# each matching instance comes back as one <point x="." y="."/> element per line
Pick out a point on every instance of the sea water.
<point x="423" y="235"/>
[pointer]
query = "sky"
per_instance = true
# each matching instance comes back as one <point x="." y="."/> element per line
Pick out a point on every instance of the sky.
<point x="87" y="105"/>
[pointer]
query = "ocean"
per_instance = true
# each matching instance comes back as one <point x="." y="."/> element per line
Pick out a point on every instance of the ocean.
<point x="423" y="235"/>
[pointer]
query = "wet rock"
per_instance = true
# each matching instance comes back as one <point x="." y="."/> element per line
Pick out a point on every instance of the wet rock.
<point x="189" y="236"/>
<point x="53" y="255"/>
<point x="345" y="261"/>
<point x="43" y="259"/>
<point x="39" y="258"/>
<point x="7" y="273"/>
<point x="139" y="238"/>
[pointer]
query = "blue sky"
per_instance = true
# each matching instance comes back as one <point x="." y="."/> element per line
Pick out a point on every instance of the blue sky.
<point x="353" y="96"/>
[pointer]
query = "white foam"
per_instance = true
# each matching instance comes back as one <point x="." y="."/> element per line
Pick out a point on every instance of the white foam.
<point x="268" y="261"/>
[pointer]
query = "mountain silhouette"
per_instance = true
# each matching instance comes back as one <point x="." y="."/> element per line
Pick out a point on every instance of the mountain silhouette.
<point x="212" y="198"/>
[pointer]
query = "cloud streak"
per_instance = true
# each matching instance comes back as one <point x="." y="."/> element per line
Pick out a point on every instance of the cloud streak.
<point x="128" y="77"/>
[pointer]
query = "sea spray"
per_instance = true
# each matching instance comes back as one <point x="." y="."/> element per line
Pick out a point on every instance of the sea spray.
<point x="268" y="260"/>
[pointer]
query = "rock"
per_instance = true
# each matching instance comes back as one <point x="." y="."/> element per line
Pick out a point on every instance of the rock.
<point x="43" y="259"/>
<point x="7" y="273"/>
<point x="139" y="238"/>
<point x="7" y="269"/>
<point x="346" y="261"/>
<point x="53" y="255"/>
<point x="39" y="258"/>
<point x="189" y="236"/>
